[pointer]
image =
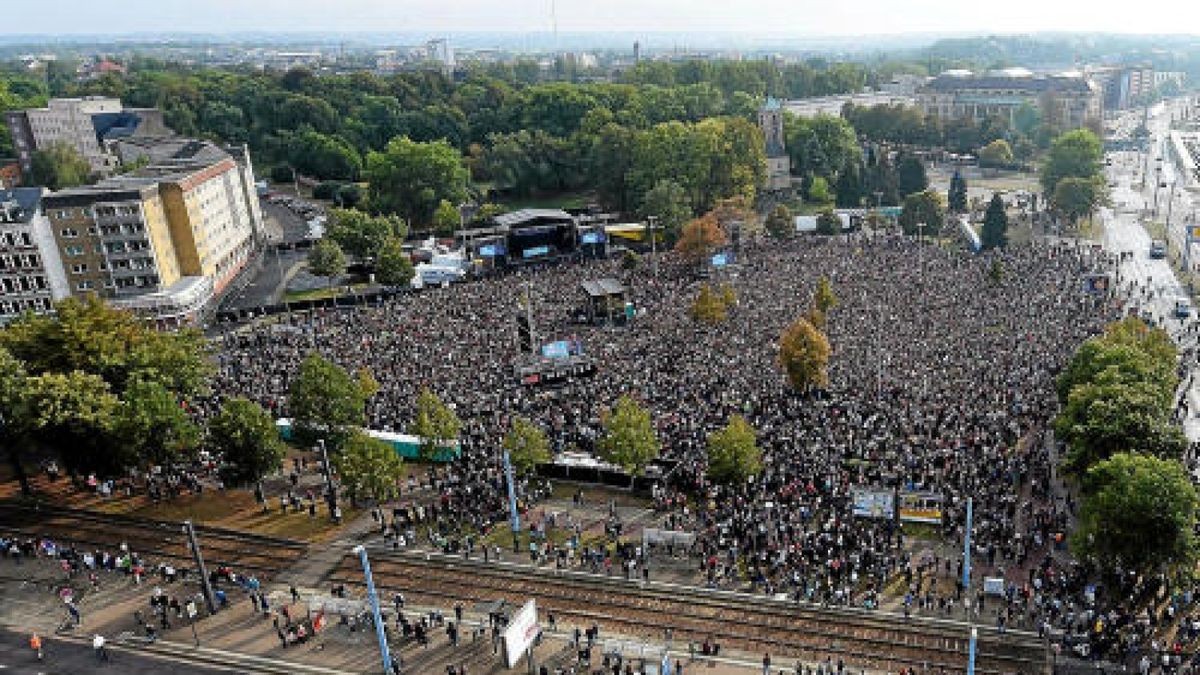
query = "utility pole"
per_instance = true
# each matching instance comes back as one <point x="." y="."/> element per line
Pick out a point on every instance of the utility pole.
<point x="205" y="585"/>
<point x="514" y="515"/>
<point x="330" y="494"/>
<point x="380" y="634"/>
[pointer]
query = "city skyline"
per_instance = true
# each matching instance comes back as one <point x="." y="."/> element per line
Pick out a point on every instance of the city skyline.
<point x="767" y="18"/>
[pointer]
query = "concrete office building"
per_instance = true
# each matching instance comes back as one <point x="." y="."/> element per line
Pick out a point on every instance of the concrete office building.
<point x="86" y="124"/>
<point x="1067" y="100"/>
<point x="31" y="272"/>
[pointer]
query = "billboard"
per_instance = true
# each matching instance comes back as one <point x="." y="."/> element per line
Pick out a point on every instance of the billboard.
<point x="921" y="507"/>
<point x="560" y="349"/>
<point x="869" y="503"/>
<point x="1193" y="232"/>
<point x="522" y="630"/>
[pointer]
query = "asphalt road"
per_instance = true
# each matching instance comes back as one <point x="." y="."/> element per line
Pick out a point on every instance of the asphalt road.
<point x="63" y="658"/>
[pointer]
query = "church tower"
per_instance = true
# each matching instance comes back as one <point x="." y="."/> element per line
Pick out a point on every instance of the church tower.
<point x="770" y="122"/>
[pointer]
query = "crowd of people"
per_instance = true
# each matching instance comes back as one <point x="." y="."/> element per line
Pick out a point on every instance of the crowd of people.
<point x="940" y="380"/>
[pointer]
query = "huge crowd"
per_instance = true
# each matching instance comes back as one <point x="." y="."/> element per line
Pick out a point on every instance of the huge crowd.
<point x="940" y="380"/>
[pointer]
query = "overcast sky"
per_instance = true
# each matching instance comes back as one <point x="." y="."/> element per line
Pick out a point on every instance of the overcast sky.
<point x="775" y="17"/>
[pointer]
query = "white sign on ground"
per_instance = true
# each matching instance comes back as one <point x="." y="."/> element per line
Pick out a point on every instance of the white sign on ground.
<point x="522" y="630"/>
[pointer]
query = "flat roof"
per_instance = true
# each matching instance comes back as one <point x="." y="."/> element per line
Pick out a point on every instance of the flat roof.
<point x="597" y="288"/>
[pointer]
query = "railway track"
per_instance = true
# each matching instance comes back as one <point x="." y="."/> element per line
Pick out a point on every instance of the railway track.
<point x="156" y="540"/>
<point x="862" y="639"/>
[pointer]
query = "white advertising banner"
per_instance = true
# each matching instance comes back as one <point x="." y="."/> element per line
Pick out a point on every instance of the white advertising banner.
<point x="522" y="630"/>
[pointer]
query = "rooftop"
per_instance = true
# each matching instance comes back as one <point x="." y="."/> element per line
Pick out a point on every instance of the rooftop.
<point x="19" y="205"/>
<point x="523" y="216"/>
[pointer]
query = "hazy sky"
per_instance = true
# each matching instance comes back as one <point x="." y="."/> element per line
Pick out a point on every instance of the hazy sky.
<point x="777" y="17"/>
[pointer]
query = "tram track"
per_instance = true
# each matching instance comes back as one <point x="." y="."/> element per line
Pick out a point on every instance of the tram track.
<point x="860" y="638"/>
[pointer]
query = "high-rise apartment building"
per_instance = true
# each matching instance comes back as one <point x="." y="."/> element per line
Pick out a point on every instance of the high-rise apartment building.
<point x="31" y="273"/>
<point x="165" y="240"/>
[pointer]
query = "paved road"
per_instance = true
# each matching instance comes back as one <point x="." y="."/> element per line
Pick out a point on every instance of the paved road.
<point x="1157" y="286"/>
<point x="70" y="658"/>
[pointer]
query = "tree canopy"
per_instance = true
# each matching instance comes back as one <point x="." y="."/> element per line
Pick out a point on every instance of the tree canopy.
<point x="629" y="439"/>
<point x="1139" y="514"/>
<point x="1074" y="154"/>
<point x="923" y="213"/>
<point x="435" y="422"/>
<point x="411" y="178"/>
<point x="995" y="224"/>
<point x="368" y="467"/>
<point x="804" y="355"/>
<point x="327" y="402"/>
<point x="527" y="445"/>
<point x="244" y="435"/>
<point x="733" y="453"/>
<point x="59" y="166"/>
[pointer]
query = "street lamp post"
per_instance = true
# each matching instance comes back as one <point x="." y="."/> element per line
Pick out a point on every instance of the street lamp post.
<point x="380" y="634"/>
<point x="205" y="584"/>
<point x="652" y="220"/>
<point x="1157" y="185"/>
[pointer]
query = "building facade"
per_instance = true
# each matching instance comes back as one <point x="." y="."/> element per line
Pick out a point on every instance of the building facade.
<point x="114" y="240"/>
<point x="165" y="240"/>
<point x="1067" y="100"/>
<point x="31" y="272"/>
<point x="85" y="124"/>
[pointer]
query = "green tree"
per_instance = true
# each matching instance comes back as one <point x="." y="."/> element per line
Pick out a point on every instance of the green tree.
<point x="72" y="413"/>
<point x="1077" y="198"/>
<point x="244" y="435"/>
<point x="89" y="336"/>
<point x="326" y="402"/>
<point x="1111" y="415"/>
<point x="393" y="267"/>
<point x="998" y="154"/>
<point x="151" y="424"/>
<point x="828" y="222"/>
<point x="412" y="178"/>
<point x="910" y="175"/>
<point x="362" y="235"/>
<point x="12" y="414"/>
<point x="824" y="299"/>
<point x="1075" y="154"/>
<point x="368" y="468"/>
<point x="995" y="224"/>
<point x="1130" y="350"/>
<point x="923" y="213"/>
<point x="526" y="445"/>
<point x="733" y="453"/>
<point x="956" y="197"/>
<point x="445" y="219"/>
<point x="780" y="223"/>
<point x="323" y="156"/>
<point x="1138" y="515"/>
<point x="629" y="439"/>
<point x="819" y="192"/>
<point x="804" y="354"/>
<point x="327" y="260"/>
<point x="435" y="423"/>
<point x="668" y="203"/>
<point x="1026" y="119"/>
<point x="849" y="188"/>
<point x="59" y="166"/>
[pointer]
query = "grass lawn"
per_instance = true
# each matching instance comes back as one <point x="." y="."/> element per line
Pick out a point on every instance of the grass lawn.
<point x="566" y="200"/>
<point x="320" y="293"/>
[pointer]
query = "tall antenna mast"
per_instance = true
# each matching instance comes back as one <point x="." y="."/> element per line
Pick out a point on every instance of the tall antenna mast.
<point x="554" y="23"/>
